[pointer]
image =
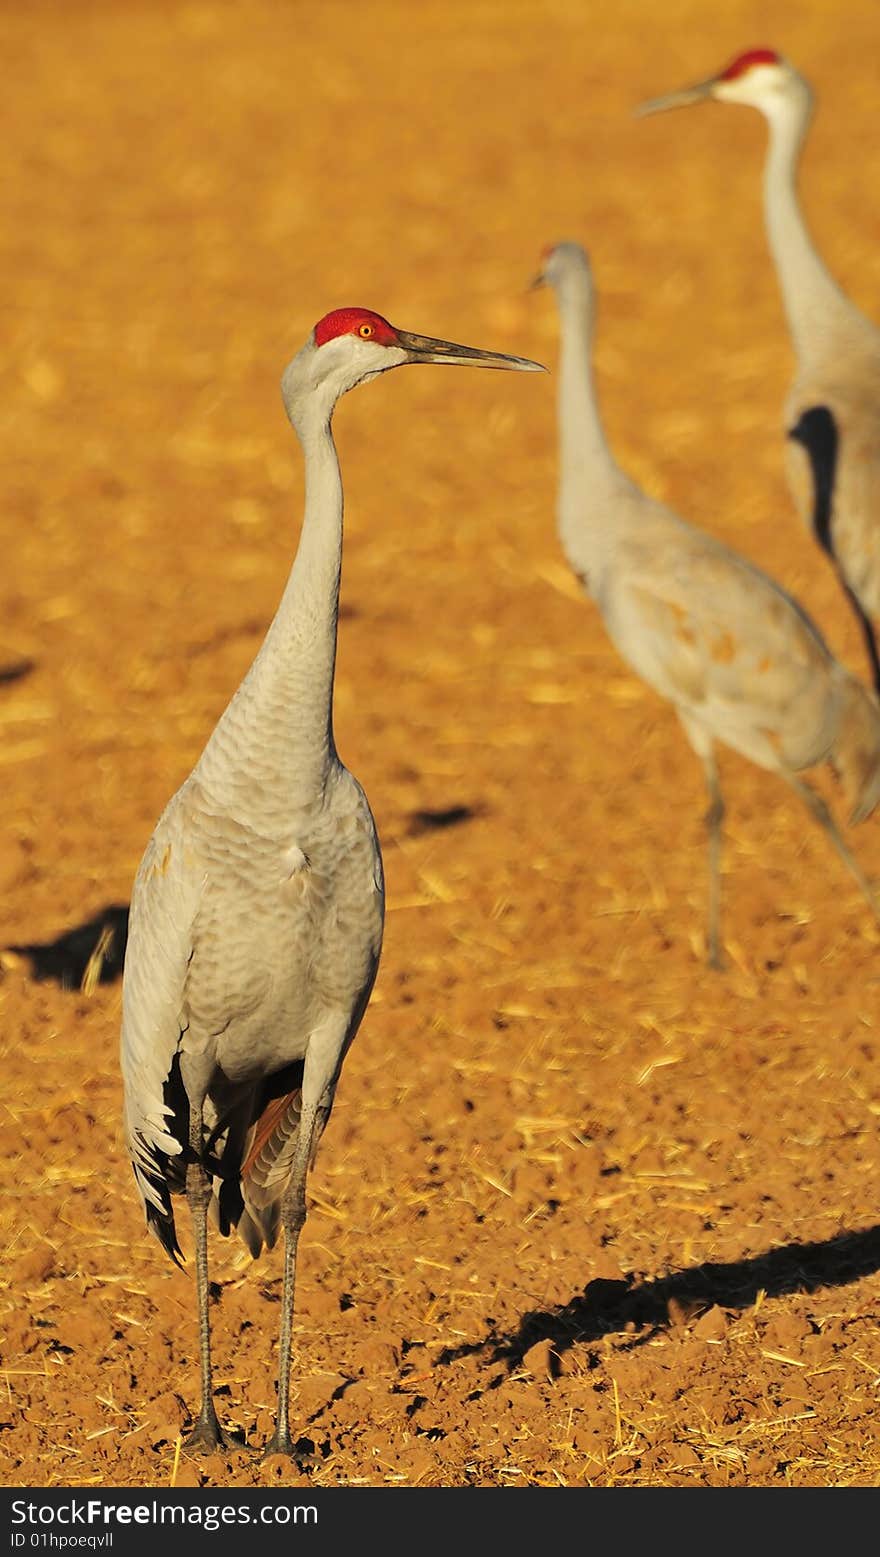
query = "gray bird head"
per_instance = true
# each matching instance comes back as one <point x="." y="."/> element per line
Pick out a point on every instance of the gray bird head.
<point x="564" y="264"/>
<point x="760" y="78"/>
<point x="352" y="345"/>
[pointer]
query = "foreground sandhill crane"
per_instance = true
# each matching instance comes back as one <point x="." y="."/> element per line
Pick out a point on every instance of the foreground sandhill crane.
<point x="256" y="916"/>
<point x="737" y="657"/>
<point x="832" y="413"/>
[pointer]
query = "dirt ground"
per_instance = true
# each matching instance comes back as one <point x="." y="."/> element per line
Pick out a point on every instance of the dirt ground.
<point x="586" y="1213"/>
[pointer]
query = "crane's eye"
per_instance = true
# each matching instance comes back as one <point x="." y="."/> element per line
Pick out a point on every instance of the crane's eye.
<point x="365" y="331"/>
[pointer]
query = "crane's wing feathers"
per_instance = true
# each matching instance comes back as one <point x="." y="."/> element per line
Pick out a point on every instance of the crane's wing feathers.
<point x="833" y="464"/>
<point x="816" y="431"/>
<point x="160" y="945"/>
<point x="273" y="1141"/>
<point x="707" y="625"/>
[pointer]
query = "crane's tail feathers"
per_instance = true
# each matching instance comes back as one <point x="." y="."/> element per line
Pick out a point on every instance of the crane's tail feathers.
<point x="856" y="753"/>
<point x="259" y="1231"/>
<point x="271" y="1150"/>
<point x="257" y="1228"/>
<point x="253" y="1164"/>
<point x="267" y="1165"/>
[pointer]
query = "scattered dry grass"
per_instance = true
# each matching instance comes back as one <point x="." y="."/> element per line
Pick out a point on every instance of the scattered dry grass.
<point x="586" y="1214"/>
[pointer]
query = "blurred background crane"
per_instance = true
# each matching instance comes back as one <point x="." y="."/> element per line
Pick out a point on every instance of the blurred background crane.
<point x="832" y="413"/>
<point x="738" y="658"/>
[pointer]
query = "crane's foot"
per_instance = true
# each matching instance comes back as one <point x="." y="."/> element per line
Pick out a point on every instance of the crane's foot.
<point x="302" y="1452"/>
<point x="207" y="1436"/>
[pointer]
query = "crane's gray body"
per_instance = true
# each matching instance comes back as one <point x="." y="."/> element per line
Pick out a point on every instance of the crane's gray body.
<point x="253" y="936"/>
<point x="257" y="912"/>
<point x="731" y="650"/>
<point x="838" y="360"/>
<point x="832" y="411"/>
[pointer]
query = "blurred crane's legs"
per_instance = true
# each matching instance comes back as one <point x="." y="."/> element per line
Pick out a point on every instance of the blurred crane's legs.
<point x="817" y="808"/>
<point x="714" y="818"/>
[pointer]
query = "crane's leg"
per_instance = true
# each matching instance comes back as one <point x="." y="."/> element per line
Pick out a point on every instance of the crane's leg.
<point x="321" y="1067"/>
<point x="867" y="633"/>
<point x="714" y="819"/>
<point x="207" y="1433"/>
<point x="293" y="1215"/>
<point x="704" y="746"/>
<point x="817" y="808"/>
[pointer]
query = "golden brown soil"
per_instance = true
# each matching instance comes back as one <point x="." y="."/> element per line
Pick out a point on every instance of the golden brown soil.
<point x="585" y="1213"/>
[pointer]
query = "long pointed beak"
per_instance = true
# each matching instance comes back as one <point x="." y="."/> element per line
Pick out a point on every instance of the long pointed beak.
<point x="421" y="348"/>
<point x="538" y="280"/>
<point x="680" y="99"/>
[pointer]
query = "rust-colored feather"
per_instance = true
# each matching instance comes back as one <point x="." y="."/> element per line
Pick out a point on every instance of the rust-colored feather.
<point x="272" y="1119"/>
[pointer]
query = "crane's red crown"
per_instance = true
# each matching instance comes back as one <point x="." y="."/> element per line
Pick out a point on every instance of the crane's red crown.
<point x="361" y="322"/>
<point x="744" y="62"/>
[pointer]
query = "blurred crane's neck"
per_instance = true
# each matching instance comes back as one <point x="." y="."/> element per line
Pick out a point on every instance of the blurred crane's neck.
<point x="587" y="470"/>
<point x="820" y="316"/>
<point x="278" y="729"/>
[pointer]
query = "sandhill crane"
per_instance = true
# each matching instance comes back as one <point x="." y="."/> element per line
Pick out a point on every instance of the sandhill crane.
<point x="737" y="657"/>
<point x="832" y="412"/>
<point x="257" y="910"/>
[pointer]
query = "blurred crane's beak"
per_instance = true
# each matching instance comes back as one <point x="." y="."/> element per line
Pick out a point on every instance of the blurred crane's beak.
<point x="680" y="99"/>
<point x="421" y="348"/>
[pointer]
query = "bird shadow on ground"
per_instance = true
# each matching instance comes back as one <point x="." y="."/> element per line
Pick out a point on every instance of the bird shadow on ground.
<point x="438" y="821"/>
<point x="16" y="670"/>
<point x="610" y="1307"/>
<point x="89" y="954"/>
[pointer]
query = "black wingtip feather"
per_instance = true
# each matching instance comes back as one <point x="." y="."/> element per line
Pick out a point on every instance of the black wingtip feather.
<point x="816" y="430"/>
<point x="164" y="1229"/>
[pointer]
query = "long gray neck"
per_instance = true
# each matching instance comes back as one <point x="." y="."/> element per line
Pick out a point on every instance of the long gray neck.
<point x="273" y="746"/>
<point x="587" y="470"/>
<point x="818" y="312"/>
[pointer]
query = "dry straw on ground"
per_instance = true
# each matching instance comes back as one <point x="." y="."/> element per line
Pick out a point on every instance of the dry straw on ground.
<point x="585" y="1214"/>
